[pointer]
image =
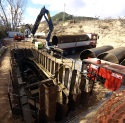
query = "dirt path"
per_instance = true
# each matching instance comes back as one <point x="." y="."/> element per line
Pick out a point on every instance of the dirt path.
<point x="5" y="115"/>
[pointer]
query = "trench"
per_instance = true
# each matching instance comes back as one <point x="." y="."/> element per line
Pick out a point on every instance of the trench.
<point x="54" y="105"/>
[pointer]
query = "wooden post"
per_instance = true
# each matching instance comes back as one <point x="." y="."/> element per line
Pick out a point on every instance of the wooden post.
<point x="48" y="95"/>
<point x="82" y="83"/>
<point x="41" y="58"/>
<point x="56" y="70"/>
<point x="50" y="101"/>
<point x="34" y="53"/>
<point x="42" y="103"/>
<point x="46" y="62"/>
<point x="60" y="73"/>
<point x="52" y="67"/>
<point x="73" y="80"/>
<point x="49" y="65"/>
<point x="43" y="61"/>
<point x="37" y="56"/>
<point x="66" y="77"/>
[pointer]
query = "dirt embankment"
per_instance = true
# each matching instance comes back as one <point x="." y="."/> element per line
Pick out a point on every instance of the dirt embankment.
<point x="111" y="32"/>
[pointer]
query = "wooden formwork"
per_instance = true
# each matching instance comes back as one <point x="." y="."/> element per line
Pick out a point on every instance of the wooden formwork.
<point x="70" y="81"/>
<point x="66" y="92"/>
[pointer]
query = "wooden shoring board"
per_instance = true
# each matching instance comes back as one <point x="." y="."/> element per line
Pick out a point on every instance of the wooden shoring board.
<point x="49" y="64"/>
<point x="61" y="67"/>
<point x="63" y="88"/>
<point x="73" y="80"/>
<point x="43" y="61"/>
<point x="59" y="74"/>
<point x="34" y="103"/>
<point x="56" y="70"/>
<point x="48" y="74"/>
<point x="82" y="83"/>
<point x="52" y="67"/>
<point x="66" y="77"/>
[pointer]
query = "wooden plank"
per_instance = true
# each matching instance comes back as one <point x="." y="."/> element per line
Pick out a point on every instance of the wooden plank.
<point x="42" y="58"/>
<point x="82" y="83"/>
<point x="34" y="91"/>
<point x="73" y="80"/>
<point x="50" y="100"/>
<point x="82" y="68"/>
<point x="56" y="70"/>
<point x="36" y="83"/>
<point x="42" y="97"/>
<point x="60" y="72"/>
<point x="35" y="54"/>
<point x="38" y="57"/>
<point x="43" y="61"/>
<point x="66" y="77"/>
<point x="49" y="65"/>
<point x="31" y="101"/>
<point x="52" y="67"/>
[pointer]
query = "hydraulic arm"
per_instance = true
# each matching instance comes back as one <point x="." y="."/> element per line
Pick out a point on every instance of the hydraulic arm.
<point x="42" y="13"/>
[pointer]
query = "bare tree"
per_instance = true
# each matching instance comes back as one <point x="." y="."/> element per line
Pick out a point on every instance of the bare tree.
<point x="12" y="12"/>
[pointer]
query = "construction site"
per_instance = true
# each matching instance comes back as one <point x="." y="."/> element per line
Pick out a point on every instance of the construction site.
<point x="74" y="78"/>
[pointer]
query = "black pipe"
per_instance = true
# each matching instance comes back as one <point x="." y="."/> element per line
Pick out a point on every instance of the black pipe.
<point x="94" y="52"/>
<point x="115" y="56"/>
<point x="10" y="103"/>
<point x="123" y="62"/>
<point x="59" y="39"/>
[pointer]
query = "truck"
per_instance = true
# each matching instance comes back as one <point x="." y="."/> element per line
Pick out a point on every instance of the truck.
<point x="69" y="44"/>
<point x="16" y="35"/>
<point x="12" y="33"/>
<point x="19" y="37"/>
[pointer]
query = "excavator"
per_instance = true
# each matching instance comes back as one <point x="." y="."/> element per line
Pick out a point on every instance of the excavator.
<point x="44" y="12"/>
<point x="62" y="44"/>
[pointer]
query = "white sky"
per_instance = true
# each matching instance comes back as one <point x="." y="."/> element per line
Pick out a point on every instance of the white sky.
<point x="90" y="8"/>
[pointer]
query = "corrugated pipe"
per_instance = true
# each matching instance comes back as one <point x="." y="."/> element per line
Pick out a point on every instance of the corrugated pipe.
<point x="115" y="55"/>
<point x="94" y="52"/>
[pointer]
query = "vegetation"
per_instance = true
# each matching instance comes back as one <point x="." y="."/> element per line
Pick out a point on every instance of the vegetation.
<point x="63" y="16"/>
<point x="11" y="14"/>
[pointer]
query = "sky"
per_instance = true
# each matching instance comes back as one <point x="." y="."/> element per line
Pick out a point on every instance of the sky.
<point x="91" y="8"/>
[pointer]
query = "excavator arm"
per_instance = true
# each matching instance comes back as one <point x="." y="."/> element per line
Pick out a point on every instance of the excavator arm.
<point x="42" y="13"/>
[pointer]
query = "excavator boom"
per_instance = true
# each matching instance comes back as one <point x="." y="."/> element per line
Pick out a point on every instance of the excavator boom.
<point x="42" y="13"/>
